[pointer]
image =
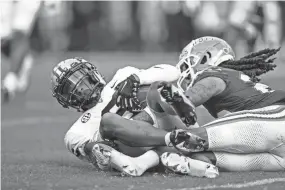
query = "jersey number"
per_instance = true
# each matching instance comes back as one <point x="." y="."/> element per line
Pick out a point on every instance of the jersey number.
<point x="258" y="86"/>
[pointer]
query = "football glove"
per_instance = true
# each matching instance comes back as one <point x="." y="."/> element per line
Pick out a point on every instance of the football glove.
<point x="127" y="92"/>
<point x="185" y="111"/>
<point x="166" y="92"/>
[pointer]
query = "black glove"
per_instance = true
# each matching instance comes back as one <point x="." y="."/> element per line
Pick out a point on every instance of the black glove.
<point x="166" y="91"/>
<point x="127" y="92"/>
<point x="185" y="111"/>
<point x="186" y="142"/>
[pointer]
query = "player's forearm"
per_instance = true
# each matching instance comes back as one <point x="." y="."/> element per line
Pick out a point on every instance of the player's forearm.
<point x="163" y="72"/>
<point x="204" y="90"/>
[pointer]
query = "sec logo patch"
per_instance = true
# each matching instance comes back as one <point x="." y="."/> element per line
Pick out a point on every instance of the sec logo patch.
<point x="85" y="117"/>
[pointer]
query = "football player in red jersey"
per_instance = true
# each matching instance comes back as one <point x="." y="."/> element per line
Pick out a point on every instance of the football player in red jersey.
<point x="253" y="114"/>
<point x="211" y="77"/>
<point x="208" y="64"/>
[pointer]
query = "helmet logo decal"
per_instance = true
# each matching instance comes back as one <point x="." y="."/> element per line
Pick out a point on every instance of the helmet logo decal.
<point x="226" y="50"/>
<point x="183" y="54"/>
<point x="85" y="117"/>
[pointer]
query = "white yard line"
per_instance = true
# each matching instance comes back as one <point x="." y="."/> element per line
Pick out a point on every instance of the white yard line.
<point x="237" y="185"/>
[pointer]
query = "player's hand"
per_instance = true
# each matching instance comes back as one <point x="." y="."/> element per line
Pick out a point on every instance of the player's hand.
<point x="127" y="92"/>
<point x="166" y="91"/>
<point x="185" y="111"/>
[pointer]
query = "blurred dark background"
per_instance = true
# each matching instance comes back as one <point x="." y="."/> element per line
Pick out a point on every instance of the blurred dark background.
<point x="149" y="25"/>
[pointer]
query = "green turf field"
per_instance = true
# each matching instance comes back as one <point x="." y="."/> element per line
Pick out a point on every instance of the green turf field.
<point x="33" y="126"/>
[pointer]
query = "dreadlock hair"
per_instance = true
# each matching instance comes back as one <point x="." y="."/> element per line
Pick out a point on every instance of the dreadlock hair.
<point x="253" y="64"/>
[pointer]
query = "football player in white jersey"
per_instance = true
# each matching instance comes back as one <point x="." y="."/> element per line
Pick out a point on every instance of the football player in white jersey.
<point x="264" y="113"/>
<point x="76" y="83"/>
<point x="17" y="23"/>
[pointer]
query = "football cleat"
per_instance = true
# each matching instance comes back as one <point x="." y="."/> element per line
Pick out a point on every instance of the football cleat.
<point x="102" y="154"/>
<point x="186" y="142"/>
<point x="107" y="158"/>
<point x="181" y="164"/>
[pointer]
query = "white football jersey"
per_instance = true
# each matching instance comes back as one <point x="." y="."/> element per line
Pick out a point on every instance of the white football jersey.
<point x="86" y="128"/>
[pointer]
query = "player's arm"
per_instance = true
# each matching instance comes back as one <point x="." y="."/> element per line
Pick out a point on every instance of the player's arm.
<point x="75" y="143"/>
<point x="204" y="90"/>
<point x="127" y="90"/>
<point x="185" y="104"/>
<point x="162" y="72"/>
<point x="82" y="135"/>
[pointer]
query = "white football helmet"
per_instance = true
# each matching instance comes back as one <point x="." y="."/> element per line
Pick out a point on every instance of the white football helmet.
<point x="199" y="55"/>
<point x="77" y="83"/>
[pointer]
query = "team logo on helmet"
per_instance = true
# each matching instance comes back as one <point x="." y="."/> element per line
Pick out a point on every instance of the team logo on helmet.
<point x="183" y="54"/>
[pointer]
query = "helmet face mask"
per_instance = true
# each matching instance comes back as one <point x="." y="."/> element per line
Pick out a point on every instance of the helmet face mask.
<point x="201" y="54"/>
<point x="185" y="79"/>
<point x="76" y="83"/>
